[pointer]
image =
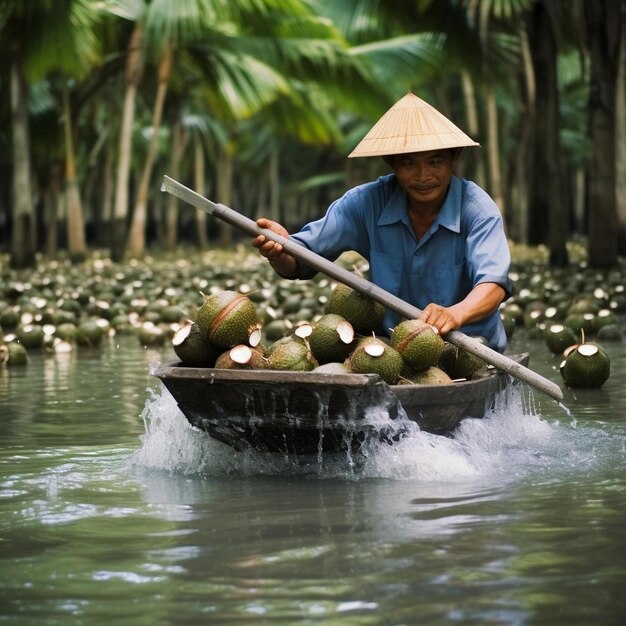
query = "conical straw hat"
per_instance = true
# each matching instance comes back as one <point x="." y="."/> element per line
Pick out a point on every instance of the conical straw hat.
<point x="411" y="125"/>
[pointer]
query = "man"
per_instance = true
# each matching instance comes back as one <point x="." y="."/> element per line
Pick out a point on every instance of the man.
<point x="432" y="239"/>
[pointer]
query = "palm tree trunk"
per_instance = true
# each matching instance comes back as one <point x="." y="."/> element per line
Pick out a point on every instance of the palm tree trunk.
<point x="224" y="190"/>
<point x="171" y="205"/>
<point x="274" y="183"/>
<point x="137" y="234"/>
<point x="620" y="156"/>
<point x="495" y="169"/>
<point x="549" y="215"/>
<point x="200" y="187"/>
<point x="473" y="126"/>
<point x="134" y="71"/>
<point x="518" y="205"/>
<point x="604" y="21"/>
<point x="76" y="245"/>
<point x="51" y="201"/>
<point x="23" y="234"/>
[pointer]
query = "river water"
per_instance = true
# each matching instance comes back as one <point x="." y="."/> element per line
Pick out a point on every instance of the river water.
<point x="114" y="511"/>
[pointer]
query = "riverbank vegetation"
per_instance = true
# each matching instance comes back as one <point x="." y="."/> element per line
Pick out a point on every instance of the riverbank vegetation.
<point x="257" y="103"/>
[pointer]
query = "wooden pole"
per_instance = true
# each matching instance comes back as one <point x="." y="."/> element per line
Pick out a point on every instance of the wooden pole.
<point x="362" y="285"/>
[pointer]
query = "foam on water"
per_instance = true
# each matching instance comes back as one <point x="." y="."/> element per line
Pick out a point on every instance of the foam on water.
<point x="512" y="440"/>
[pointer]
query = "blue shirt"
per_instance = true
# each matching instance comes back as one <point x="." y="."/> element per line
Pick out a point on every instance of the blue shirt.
<point x="465" y="245"/>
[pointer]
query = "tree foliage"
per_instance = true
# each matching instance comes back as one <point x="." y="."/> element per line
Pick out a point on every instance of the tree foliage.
<point x="258" y="102"/>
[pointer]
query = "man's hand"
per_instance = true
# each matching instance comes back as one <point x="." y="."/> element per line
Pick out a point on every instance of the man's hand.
<point x="480" y="302"/>
<point x="283" y="263"/>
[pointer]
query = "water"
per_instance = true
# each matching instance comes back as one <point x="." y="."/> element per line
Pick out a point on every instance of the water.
<point x="113" y="510"/>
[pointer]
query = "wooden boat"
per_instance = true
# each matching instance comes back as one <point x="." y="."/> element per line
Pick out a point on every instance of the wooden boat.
<point x="308" y="413"/>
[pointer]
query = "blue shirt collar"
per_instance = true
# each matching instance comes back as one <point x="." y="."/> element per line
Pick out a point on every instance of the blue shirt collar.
<point x="449" y="215"/>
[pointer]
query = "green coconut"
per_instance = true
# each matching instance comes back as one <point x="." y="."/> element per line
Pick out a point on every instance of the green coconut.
<point x="612" y="332"/>
<point x="331" y="338"/>
<point x="332" y="368"/>
<point x="430" y="376"/>
<point x="291" y="355"/>
<point x="31" y="336"/>
<point x="12" y="354"/>
<point x="89" y="333"/>
<point x="192" y="348"/>
<point x="241" y="357"/>
<point x="151" y="334"/>
<point x="458" y="363"/>
<point x="373" y="356"/>
<point x="558" y="337"/>
<point x="586" y="366"/>
<point x="419" y="344"/>
<point x="364" y="313"/>
<point x="228" y="318"/>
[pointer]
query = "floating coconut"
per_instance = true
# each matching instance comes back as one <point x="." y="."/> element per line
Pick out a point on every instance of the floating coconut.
<point x="586" y="366"/>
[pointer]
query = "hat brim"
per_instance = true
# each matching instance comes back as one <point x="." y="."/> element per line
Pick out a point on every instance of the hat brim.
<point x="411" y="125"/>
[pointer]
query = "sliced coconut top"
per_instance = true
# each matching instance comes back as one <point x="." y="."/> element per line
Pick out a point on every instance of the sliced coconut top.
<point x="241" y="354"/>
<point x="588" y="349"/>
<point x="303" y="330"/>
<point x="345" y="332"/>
<point x="254" y="339"/>
<point x="181" y="334"/>
<point x="374" y="349"/>
<point x="557" y="328"/>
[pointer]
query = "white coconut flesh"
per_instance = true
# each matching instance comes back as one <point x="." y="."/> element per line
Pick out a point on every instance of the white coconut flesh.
<point x="181" y="334"/>
<point x="374" y="349"/>
<point x="303" y="331"/>
<point x="345" y="332"/>
<point x="61" y="347"/>
<point x="241" y="354"/>
<point x="588" y="349"/>
<point x="557" y="328"/>
<point x="255" y="337"/>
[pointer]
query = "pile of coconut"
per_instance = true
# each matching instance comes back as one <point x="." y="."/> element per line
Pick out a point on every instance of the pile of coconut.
<point x="226" y="334"/>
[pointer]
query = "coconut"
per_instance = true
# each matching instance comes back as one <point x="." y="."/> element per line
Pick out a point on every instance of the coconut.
<point x="151" y="334"/>
<point x="419" y="344"/>
<point x="228" y="318"/>
<point x="459" y="363"/>
<point x="13" y="353"/>
<point x="587" y="366"/>
<point x="31" y="336"/>
<point x="241" y="357"/>
<point x="558" y="337"/>
<point x="332" y="368"/>
<point x="89" y="333"/>
<point x="364" y="313"/>
<point x="292" y="355"/>
<point x="373" y="356"/>
<point x="331" y="338"/>
<point x="192" y="348"/>
<point x="612" y="332"/>
<point x="430" y="376"/>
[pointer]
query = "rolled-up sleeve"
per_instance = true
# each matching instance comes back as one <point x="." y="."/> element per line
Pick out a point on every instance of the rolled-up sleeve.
<point x="488" y="253"/>
<point x="338" y="231"/>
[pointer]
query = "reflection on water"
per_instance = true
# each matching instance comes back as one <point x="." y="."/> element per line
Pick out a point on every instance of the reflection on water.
<point x="114" y="510"/>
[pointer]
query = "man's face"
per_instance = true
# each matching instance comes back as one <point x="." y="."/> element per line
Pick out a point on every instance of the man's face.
<point x="425" y="176"/>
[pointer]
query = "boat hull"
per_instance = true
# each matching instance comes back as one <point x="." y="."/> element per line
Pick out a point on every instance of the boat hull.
<point x="308" y="412"/>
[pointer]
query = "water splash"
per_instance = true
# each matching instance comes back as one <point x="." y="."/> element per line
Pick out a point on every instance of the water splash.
<point x="511" y="440"/>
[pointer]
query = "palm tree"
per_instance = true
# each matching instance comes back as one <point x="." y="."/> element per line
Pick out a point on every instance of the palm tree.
<point x="604" y="26"/>
<point x="546" y="181"/>
<point x="14" y="21"/>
